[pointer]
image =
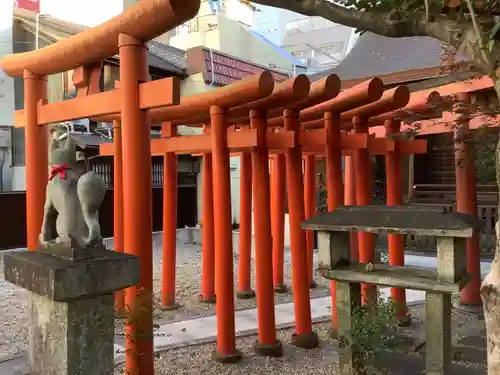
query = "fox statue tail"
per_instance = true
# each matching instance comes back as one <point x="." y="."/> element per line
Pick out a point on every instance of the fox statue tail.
<point x="90" y="190"/>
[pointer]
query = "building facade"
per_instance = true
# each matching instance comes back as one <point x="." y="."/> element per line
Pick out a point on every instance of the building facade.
<point x="319" y="44"/>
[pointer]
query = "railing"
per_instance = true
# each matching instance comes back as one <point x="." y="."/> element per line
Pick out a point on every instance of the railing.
<point x="103" y="166"/>
<point x="487" y="212"/>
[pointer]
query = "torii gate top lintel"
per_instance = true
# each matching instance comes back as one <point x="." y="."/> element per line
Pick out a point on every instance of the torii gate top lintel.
<point x="144" y="21"/>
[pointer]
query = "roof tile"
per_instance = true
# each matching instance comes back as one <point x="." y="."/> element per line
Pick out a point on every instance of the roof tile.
<point x="376" y="55"/>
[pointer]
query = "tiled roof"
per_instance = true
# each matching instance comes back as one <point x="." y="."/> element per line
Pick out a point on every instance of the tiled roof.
<point x="221" y="69"/>
<point x="162" y="56"/>
<point x="375" y="55"/>
<point x="174" y="56"/>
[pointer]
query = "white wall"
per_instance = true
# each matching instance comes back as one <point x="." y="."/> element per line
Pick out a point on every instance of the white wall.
<point x="271" y="22"/>
<point x="19" y="178"/>
<point x="7" y="95"/>
<point x="82" y="12"/>
<point x="238" y="11"/>
<point x="234" y="165"/>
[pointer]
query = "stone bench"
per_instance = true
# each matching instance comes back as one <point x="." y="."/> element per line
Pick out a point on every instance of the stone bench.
<point x="450" y="230"/>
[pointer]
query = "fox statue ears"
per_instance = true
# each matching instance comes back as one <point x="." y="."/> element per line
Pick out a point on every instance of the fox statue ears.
<point x="56" y="140"/>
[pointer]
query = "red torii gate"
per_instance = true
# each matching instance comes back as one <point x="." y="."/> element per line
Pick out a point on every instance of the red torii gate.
<point x="124" y="34"/>
<point x="276" y="142"/>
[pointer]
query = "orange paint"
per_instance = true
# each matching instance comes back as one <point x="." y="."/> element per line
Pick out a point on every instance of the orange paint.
<point x="169" y="223"/>
<point x="366" y="92"/>
<point x="118" y="206"/>
<point x="310" y="209"/>
<point x="395" y="198"/>
<point x="278" y="219"/>
<point x="245" y="256"/>
<point x="207" y="230"/>
<point x="465" y="172"/>
<point x="226" y="341"/>
<point x="36" y="143"/>
<point x="335" y="195"/>
<point x="295" y="186"/>
<point x="393" y="99"/>
<point x="146" y="20"/>
<point x="137" y="206"/>
<point x="263" y="238"/>
<point x="363" y="170"/>
<point x="350" y="198"/>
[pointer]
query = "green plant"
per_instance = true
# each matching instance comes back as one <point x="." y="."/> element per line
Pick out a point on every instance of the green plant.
<point x="375" y="330"/>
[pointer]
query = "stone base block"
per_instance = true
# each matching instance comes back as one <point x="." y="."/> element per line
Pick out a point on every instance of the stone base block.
<point x="333" y="333"/>
<point x="72" y="307"/>
<point x="246" y="294"/>
<point x="306" y="341"/>
<point x="227" y="358"/>
<point x="60" y="279"/>
<point x="269" y="350"/>
<point x="175" y="306"/>
<point x="69" y="250"/>
<point x="313" y="284"/>
<point x="209" y="300"/>
<point x="281" y="289"/>
<point x="405" y="321"/>
<point x="71" y="338"/>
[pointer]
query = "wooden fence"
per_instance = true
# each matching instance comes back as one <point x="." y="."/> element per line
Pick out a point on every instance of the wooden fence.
<point x="444" y="196"/>
<point x="13" y="218"/>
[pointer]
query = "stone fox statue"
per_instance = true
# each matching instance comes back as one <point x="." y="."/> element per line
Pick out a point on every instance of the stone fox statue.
<point x="75" y="197"/>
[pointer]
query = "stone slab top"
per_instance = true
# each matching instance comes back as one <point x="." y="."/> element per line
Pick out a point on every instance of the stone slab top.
<point x="64" y="280"/>
<point x="68" y="250"/>
<point x="395" y="219"/>
<point x="414" y="278"/>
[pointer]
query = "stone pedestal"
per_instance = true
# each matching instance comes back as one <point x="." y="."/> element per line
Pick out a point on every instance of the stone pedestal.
<point x="72" y="308"/>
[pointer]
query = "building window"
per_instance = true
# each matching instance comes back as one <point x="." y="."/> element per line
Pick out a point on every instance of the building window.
<point x="18" y="150"/>
<point x="333" y="49"/>
<point x="307" y="24"/>
<point x="297" y="26"/>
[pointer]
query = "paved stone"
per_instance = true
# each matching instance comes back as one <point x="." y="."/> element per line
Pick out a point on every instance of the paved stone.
<point x="473" y="341"/>
<point x="470" y="354"/>
<point x="401" y="364"/>
<point x="203" y="330"/>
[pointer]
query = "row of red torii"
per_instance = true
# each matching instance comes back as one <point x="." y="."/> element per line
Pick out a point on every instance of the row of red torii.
<point x="255" y="118"/>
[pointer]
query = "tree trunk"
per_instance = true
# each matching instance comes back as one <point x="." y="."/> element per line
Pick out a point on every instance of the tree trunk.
<point x="490" y="294"/>
<point x="490" y="289"/>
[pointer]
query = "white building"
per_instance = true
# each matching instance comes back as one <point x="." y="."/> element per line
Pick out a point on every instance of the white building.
<point x="318" y="43"/>
<point x="7" y="97"/>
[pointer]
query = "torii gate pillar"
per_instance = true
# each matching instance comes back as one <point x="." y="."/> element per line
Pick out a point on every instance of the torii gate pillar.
<point x="137" y="205"/>
<point x="35" y="90"/>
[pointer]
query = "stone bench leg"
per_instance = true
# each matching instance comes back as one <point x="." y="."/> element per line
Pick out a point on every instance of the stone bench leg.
<point x="348" y="300"/>
<point x="438" y="333"/>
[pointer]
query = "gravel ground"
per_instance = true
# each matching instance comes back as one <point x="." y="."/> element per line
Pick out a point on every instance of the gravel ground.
<point x="14" y="300"/>
<point x="13" y="317"/>
<point x="189" y="286"/>
<point x="197" y="359"/>
<point x="463" y="324"/>
<point x="323" y="360"/>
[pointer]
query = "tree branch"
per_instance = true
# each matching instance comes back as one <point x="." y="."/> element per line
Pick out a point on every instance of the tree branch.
<point x="395" y="24"/>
